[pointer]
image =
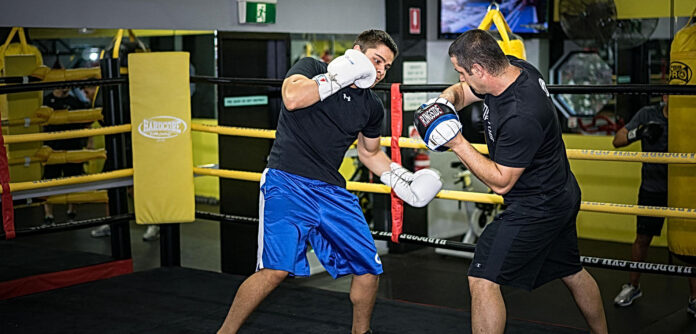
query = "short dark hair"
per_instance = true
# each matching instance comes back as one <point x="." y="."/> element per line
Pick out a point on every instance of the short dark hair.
<point x="477" y="46"/>
<point x="369" y="39"/>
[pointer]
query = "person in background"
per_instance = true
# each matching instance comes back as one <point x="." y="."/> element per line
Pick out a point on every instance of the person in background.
<point x="62" y="99"/>
<point x="649" y="125"/>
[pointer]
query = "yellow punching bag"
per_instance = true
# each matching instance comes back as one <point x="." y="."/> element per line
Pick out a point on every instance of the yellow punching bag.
<point x="681" y="233"/>
<point x="20" y="59"/>
<point x="510" y="43"/>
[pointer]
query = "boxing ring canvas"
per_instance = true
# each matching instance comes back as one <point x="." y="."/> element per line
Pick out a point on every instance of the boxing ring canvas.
<point x="179" y="300"/>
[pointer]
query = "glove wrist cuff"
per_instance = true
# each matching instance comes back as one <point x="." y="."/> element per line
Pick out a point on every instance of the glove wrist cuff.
<point x="632" y="135"/>
<point x="325" y="85"/>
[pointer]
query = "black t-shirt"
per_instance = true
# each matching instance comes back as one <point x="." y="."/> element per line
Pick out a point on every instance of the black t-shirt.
<point x="312" y="141"/>
<point x="522" y="130"/>
<point x="653" y="176"/>
<point x="68" y="102"/>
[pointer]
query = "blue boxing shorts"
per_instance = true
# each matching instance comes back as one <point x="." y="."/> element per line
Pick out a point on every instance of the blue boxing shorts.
<point x="295" y="210"/>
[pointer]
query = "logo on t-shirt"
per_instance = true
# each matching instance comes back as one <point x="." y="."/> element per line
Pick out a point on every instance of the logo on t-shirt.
<point x="346" y="97"/>
<point x="543" y="87"/>
<point x="488" y="122"/>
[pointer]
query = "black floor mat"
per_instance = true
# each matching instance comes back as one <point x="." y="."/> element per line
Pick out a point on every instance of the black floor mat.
<point x="21" y="260"/>
<point x="179" y="300"/>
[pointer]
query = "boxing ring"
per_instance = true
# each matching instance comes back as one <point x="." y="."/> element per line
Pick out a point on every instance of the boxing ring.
<point x="165" y="293"/>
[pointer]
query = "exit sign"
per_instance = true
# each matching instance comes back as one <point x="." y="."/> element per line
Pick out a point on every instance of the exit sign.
<point x="257" y="11"/>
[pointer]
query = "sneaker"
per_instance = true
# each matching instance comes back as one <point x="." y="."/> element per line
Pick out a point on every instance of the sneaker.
<point x="71" y="215"/>
<point x="101" y="231"/>
<point x="628" y="294"/>
<point x="691" y="308"/>
<point x="49" y="221"/>
<point x="152" y="233"/>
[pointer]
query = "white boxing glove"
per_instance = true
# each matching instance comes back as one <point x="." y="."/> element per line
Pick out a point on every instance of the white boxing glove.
<point x="417" y="189"/>
<point x="353" y="67"/>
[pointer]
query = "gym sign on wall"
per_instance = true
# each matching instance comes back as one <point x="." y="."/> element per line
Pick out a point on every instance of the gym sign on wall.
<point x="257" y="11"/>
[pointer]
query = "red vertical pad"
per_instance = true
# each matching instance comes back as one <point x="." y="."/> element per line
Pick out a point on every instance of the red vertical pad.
<point x="397" y="205"/>
<point x="7" y="208"/>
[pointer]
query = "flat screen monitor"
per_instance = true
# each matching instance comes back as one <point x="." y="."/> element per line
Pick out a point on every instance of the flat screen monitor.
<point x="525" y="17"/>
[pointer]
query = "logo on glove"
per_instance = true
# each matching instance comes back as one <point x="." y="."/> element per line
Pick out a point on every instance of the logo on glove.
<point x="430" y="114"/>
<point x="437" y="123"/>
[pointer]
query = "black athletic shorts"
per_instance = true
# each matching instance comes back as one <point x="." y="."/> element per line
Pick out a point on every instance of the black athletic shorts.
<point x="650" y="225"/>
<point x="62" y="170"/>
<point x="526" y="251"/>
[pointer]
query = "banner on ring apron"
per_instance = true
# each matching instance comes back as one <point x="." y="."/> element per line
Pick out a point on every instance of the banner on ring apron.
<point x="681" y="233"/>
<point x="160" y="106"/>
<point x="510" y="46"/>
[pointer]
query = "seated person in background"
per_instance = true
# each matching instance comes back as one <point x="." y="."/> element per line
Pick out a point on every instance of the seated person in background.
<point x="61" y="99"/>
<point x="649" y="125"/>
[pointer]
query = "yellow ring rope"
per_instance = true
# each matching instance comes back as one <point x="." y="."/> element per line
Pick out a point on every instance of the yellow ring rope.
<point x="578" y="154"/>
<point x="234" y="131"/>
<point x="651" y="157"/>
<point x="626" y="209"/>
<point x="31" y="137"/>
<point x="367" y="187"/>
<point x="39" y="184"/>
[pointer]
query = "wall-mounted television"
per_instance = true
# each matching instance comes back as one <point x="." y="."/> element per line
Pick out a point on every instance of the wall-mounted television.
<point x="525" y="17"/>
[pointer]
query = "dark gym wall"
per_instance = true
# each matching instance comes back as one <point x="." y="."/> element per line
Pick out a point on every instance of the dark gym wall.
<point x="243" y="55"/>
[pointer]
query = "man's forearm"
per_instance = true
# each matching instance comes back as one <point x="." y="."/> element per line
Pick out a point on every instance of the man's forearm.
<point x="485" y="169"/>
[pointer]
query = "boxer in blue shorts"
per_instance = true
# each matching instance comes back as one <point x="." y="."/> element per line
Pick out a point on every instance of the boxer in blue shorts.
<point x="303" y="198"/>
<point x="534" y="240"/>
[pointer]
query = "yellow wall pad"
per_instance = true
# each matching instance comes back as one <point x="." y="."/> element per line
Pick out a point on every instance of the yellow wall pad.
<point x="32" y="137"/>
<point x="21" y="105"/>
<point x="51" y="157"/>
<point x="639" y="9"/>
<point x="98" y="196"/>
<point x="162" y="154"/>
<point x="47" y="116"/>
<point x="74" y="156"/>
<point x="205" y="151"/>
<point x="625" y="209"/>
<point x="41" y="184"/>
<point x="48" y="74"/>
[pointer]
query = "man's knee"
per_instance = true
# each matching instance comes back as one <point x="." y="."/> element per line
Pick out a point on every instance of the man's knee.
<point x="272" y="275"/>
<point x="368" y="278"/>
<point x="577" y="277"/>
<point x="477" y="284"/>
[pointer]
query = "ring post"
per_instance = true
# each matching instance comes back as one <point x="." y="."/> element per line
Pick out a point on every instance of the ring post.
<point x="116" y="158"/>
